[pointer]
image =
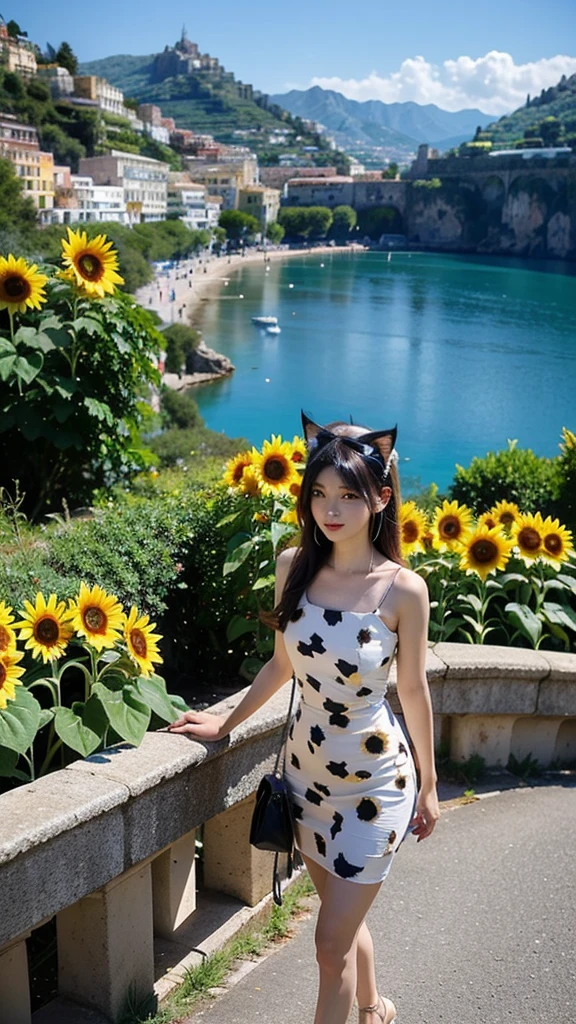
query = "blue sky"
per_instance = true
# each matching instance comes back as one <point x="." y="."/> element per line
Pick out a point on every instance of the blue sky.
<point x="366" y="50"/>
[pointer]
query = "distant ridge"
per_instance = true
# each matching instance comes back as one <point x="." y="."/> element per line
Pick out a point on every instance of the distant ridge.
<point x="355" y="124"/>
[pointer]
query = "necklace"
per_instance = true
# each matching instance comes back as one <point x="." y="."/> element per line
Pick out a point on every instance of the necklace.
<point x="353" y="572"/>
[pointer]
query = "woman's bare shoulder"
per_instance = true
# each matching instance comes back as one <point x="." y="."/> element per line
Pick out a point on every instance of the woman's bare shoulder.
<point x="410" y="584"/>
<point x="284" y="561"/>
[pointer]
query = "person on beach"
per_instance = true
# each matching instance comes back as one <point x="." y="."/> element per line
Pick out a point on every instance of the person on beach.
<point x="346" y="604"/>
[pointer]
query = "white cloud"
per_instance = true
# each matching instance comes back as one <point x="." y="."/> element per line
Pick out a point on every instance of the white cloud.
<point x="493" y="83"/>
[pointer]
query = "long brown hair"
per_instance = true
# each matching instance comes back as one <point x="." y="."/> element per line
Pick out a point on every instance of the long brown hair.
<point x="358" y="474"/>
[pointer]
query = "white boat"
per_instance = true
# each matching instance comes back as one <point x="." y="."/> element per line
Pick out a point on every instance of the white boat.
<point x="273" y="329"/>
<point x="265" y="321"/>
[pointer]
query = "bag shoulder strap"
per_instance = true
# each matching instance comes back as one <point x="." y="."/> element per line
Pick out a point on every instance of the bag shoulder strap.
<point x="286" y="726"/>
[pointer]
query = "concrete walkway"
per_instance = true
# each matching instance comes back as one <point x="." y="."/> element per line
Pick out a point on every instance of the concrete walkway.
<point x="476" y="925"/>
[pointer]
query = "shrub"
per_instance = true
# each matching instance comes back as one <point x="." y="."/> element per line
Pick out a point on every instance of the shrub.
<point x="517" y="474"/>
<point x="181" y="342"/>
<point x="180" y="410"/>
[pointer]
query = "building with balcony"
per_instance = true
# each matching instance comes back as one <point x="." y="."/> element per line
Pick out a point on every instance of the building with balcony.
<point x="101" y="92"/>
<point x="143" y="180"/>
<point x="261" y="202"/>
<point x="187" y="200"/>
<point x="35" y="169"/>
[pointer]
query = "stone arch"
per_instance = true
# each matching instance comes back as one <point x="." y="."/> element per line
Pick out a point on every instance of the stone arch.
<point x="565" y="747"/>
<point x="493" y="190"/>
<point x="376" y="221"/>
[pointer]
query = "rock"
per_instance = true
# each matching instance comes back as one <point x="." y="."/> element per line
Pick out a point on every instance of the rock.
<point x="206" y="360"/>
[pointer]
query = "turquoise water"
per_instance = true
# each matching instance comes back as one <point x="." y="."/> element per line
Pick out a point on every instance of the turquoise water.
<point x="461" y="352"/>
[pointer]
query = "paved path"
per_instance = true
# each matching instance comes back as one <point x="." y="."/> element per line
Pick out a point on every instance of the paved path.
<point x="476" y="925"/>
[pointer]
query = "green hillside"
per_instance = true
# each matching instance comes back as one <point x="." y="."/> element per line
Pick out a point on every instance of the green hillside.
<point x="551" y="117"/>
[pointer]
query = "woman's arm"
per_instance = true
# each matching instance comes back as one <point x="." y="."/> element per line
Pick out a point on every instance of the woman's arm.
<point x="272" y="675"/>
<point x="412" y="684"/>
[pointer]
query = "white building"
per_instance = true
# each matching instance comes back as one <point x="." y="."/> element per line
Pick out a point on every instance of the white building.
<point x="187" y="200"/>
<point x="143" y="180"/>
<point x="87" y="203"/>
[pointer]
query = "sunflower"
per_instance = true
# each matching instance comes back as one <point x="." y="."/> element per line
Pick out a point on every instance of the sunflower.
<point x="20" y="285"/>
<point x="235" y="468"/>
<point x="485" y="550"/>
<point x="413" y="527"/>
<point x="93" y="262"/>
<point x="556" y="542"/>
<point x="274" y="466"/>
<point x="505" y="513"/>
<point x="250" y="483"/>
<point x="290" y="516"/>
<point x="451" y="525"/>
<point x="299" y="450"/>
<point x="97" y="616"/>
<point x="527" y="536"/>
<point x="295" y="488"/>
<point x="142" y="643"/>
<point x="45" y="627"/>
<point x="9" y="676"/>
<point x="7" y="634"/>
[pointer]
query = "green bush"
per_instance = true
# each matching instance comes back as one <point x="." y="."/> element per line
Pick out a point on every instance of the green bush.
<point x="180" y="410"/>
<point x="516" y="474"/>
<point x="174" y="446"/>
<point x="181" y="342"/>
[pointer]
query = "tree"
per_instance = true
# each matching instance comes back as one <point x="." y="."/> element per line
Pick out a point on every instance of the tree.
<point x="237" y="224"/>
<point x="392" y="170"/>
<point x="66" y="151"/>
<point x="319" y="221"/>
<point x="550" y="130"/>
<point x="275" y="233"/>
<point x="344" y="221"/>
<point x="14" y="30"/>
<point x="181" y="342"/>
<point x="16" y="212"/>
<point x="66" y="58"/>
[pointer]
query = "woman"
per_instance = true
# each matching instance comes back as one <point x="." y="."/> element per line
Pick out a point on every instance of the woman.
<point x="345" y="604"/>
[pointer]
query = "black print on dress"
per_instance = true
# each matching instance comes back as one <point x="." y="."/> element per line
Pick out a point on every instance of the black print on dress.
<point x="291" y="731"/>
<point x="337" y="716"/>
<point x="364" y="637"/>
<point x="340" y="680"/>
<point x="321" y="788"/>
<point x="297" y="615"/>
<point x="385" y="662"/>
<point x="298" y="714"/>
<point x="297" y="811"/>
<point x="344" y="868"/>
<point x="312" y="797"/>
<point x="316" y="737"/>
<point x="338" y="768"/>
<point x="316" y="646"/>
<point x="376" y="743"/>
<point x="363" y="691"/>
<point x="367" y="809"/>
<point x="332" y="617"/>
<point x="400" y="781"/>
<point x="391" y="840"/>
<point x="402" y="755"/>
<point x="300" y="683"/>
<point x="313" y="683"/>
<point x="337" y="826"/>
<point x="295" y="762"/>
<point x="346" y="668"/>
<point x="363" y="774"/>
<point x="320" y="843"/>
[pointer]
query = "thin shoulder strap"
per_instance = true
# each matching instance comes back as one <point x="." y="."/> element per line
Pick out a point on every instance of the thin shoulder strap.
<point x="383" y="598"/>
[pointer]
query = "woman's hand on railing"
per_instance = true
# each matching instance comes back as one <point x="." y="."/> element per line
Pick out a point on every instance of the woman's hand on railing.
<point x="200" y="725"/>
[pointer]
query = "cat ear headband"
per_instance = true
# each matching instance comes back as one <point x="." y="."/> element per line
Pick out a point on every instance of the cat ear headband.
<point x="376" y="446"/>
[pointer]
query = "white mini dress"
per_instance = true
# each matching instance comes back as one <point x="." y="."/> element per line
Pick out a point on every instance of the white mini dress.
<point x="348" y="764"/>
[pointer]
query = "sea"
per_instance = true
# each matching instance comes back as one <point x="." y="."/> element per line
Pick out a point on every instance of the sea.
<point x="462" y="353"/>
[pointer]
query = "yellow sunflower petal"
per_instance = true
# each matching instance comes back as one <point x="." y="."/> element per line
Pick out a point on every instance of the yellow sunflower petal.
<point x="413" y="528"/>
<point x="485" y="550"/>
<point x="93" y="262"/>
<point x="235" y="468"/>
<point x="21" y="285"/>
<point x="451" y="525"/>
<point x="141" y="641"/>
<point x="274" y="466"/>
<point x="97" y="616"/>
<point x="45" y="627"/>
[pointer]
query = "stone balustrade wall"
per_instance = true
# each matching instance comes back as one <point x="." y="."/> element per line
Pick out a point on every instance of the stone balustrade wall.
<point x="108" y="845"/>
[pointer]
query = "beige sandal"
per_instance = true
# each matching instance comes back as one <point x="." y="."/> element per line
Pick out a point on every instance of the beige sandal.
<point x="388" y="1017"/>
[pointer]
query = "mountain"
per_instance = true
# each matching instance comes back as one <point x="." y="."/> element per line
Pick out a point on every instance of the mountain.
<point x="356" y="125"/>
<point x="558" y="102"/>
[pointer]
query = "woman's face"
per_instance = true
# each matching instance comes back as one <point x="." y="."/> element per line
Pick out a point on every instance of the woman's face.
<point x="338" y="510"/>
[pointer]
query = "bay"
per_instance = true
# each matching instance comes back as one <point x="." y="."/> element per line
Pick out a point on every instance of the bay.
<point x="461" y="352"/>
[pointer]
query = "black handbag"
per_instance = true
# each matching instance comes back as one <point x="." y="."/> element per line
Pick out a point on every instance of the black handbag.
<point x="272" y="826"/>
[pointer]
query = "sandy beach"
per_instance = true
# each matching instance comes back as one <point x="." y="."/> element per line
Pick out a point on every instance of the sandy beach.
<point x="177" y="295"/>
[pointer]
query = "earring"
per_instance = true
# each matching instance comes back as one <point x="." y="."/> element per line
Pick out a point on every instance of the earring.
<point x="380" y="517"/>
<point x="319" y="543"/>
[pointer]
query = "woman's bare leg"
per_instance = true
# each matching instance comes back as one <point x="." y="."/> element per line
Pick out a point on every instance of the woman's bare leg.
<point x="344" y="906"/>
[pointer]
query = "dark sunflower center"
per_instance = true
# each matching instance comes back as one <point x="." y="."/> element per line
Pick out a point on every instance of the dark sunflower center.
<point x="239" y="471"/>
<point x="138" y="641"/>
<point x="484" y="551"/>
<point x="297" y="457"/>
<point x="4" y="638"/>
<point x="450" y="527"/>
<point x="17" y="288"/>
<point x="410" y="532"/>
<point x="507" y="518"/>
<point x="529" y="538"/>
<point x="553" y="543"/>
<point x="275" y="469"/>
<point x="95" y="620"/>
<point x="90" y="267"/>
<point x="46" y="631"/>
<point x="490" y="523"/>
<point x="3" y="674"/>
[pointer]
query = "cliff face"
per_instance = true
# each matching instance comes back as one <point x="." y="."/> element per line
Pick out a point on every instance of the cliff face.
<point x="529" y="215"/>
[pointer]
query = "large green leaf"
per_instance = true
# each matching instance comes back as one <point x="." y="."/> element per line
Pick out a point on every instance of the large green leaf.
<point x="19" y="721"/>
<point x="238" y="556"/>
<point x="560" y="614"/>
<point x="238" y="625"/>
<point x="279" y="530"/>
<point x="28" y="367"/>
<point x="152" y="689"/>
<point x="8" y="356"/>
<point x="8" y="761"/>
<point x="74" y="733"/>
<point x="34" y="339"/>
<point x="126" y="712"/>
<point x="525" y="620"/>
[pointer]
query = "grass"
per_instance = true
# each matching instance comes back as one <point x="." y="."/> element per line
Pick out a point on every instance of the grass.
<point x="213" y="971"/>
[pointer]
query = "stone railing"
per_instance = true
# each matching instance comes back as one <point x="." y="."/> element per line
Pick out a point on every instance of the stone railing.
<point x="107" y="846"/>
